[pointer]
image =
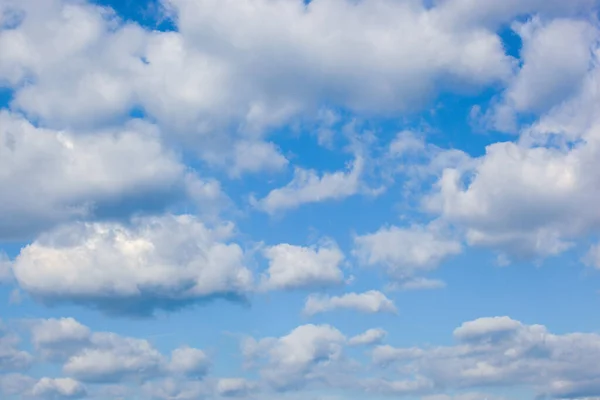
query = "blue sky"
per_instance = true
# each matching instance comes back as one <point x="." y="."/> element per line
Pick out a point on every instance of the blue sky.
<point x="279" y="199"/>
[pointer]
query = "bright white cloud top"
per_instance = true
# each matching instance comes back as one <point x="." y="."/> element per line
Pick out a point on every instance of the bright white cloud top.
<point x="290" y="199"/>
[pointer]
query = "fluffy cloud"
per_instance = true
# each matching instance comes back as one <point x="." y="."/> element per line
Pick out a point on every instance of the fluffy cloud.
<point x="370" y="302"/>
<point x="14" y="384"/>
<point x="234" y="387"/>
<point x="154" y="263"/>
<point x="58" y="388"/>
<point x="308" y="187"/>
<point x="403" y="252"/>
<point x="556" y="57"/>
<point x="502" y="351"/>
<point x="188" y="361"/>
<point x="371" y="336"/>
<point x="105" y="357"/>
<point x="11" y="357"/>
<point x="57" y="339"/>
<point x="51" y="176"/>
<point x="113" y="358"/>
<point x="215" y="69"/>
<point x="292" y="267"/>
<point x="293" y="360"/>
<point x="536" y="196"/>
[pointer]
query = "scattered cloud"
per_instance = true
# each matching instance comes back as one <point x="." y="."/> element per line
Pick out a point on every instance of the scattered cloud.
<point x="370" y="302"/>
<point x="154" y="263"/>
<point x="294" y="267"/>
<point x="369" y="337"/>
<point x="308" y="187"/>
<point x="404" y="252"/>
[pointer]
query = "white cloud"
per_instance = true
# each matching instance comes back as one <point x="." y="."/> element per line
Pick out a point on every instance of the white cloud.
<point x="308" y="187"/>
<point x="170" y="388"/>
<point x="14" y="384"/>
<point x="404" y="252"/>
<point x="58" y="388"/>
<point x="299" y="357"/>
<point x="258" y="73"/>
<point x="113" y="358"/>
<point x="556" y="57"/>
<point x="256" y="157"/>
<point x="57" y="339"/>
<point x="418" y="284"/>
<point x="292" y="267"/>
<point x="154" y="263"/>
<point x="11" y="357"/>
<point x="523" y="200"/>
<point x="235" y="387"/>
<point x="369" y="337"/>
<point x="189" y="361"/>
<point x="51" y="176"/>
<point x="369" y="302"/>
<point x="592" y="257"/>
<point x="501" y="351"/>
<point x="105" y="357"/>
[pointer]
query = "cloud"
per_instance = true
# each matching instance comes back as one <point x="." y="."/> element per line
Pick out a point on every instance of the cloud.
<point x="419" y="284"/>
<point x="293" y="267"/>
<point x="58" y="339"/>
<point x="14" y="384"/>
<point x="535" y="197"/>
<point x="113" y="358"/>
<point x="235" y="387"/>
<point x="106" y="357"/>
<point x="297" y="358"/>
<point x="592" y="257"/>
<point x="503" y="352"/>
<point x="403" y="252"/>
<point x="58" y="388"/>
<point x="308" y="187"/>
<point x="214" y="72"/>
<point x="170" y="388"/>
<point x="154" y="263"/>
<point x="256" y="157"/>
<point x="369" y="337"/>
<point x="55" y="176"/>
<point x="11" y="357"/>
<point x="188" y="361"/>
<point x="370" y="302"/>
<point x="556" y="57"/>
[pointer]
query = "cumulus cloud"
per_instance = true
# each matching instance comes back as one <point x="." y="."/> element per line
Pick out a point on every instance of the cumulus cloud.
<point x="302" y="356"/>
<point x="293" y="267"/>
<point x="188" y="361"/>
<point x="57" y="339"/>
<point x="370" y="302"/>
<point x="15" y="384"/>
<point x="535" y="197"/>
<point x="502" y="351"/>
<point x="235" y="387"/>
<point x="154" y="263"/>
<point x="404" y="252"/>
<point x="11" y="357"/>
<point x="58" y="388"/>
<point x="214" y="70"/>
<point x="556" y="57"/>
<point x="53" y="176"/>
<point x="106" y="357"/>
<point x="369" y="337"/>
<point x="308" y="187"/>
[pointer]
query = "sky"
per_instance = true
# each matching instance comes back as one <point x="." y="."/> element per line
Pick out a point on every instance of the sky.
<point x="300" y="200"/>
